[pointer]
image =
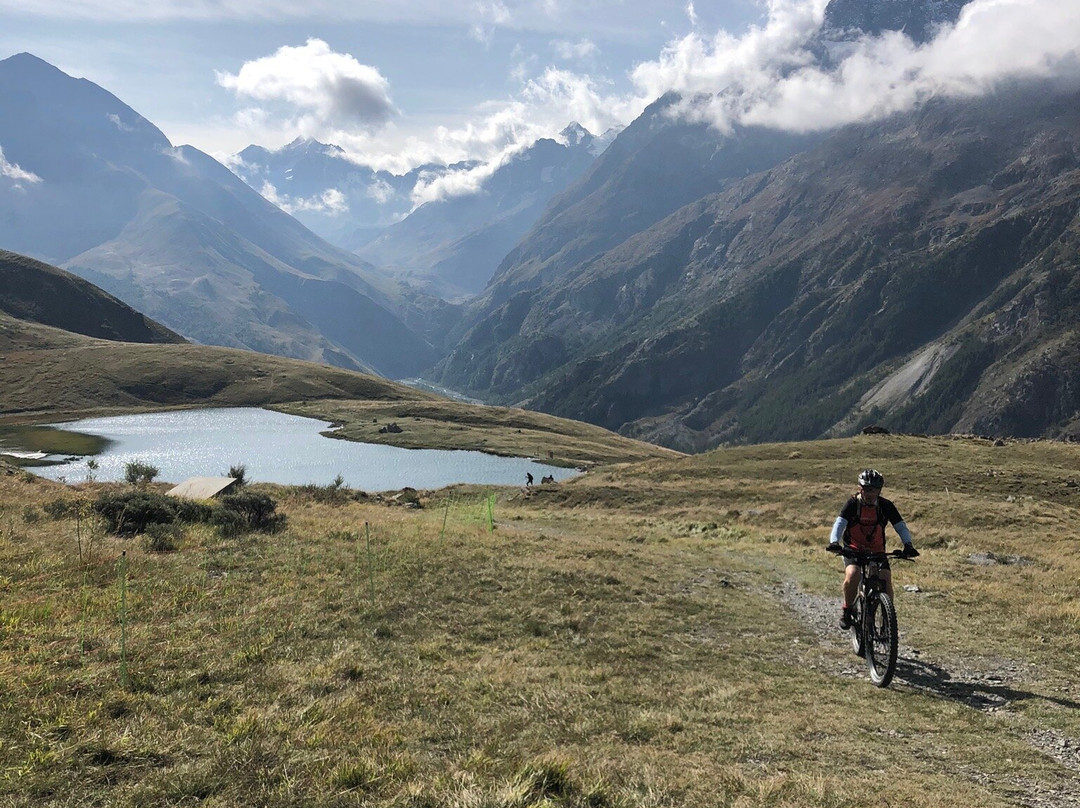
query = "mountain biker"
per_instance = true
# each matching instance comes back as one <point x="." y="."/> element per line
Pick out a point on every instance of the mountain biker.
<point x="861" y="526"/>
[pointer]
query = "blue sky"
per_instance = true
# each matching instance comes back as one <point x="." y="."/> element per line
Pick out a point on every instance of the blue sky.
<point x="445" y="64"/>
<point x="400" y="82"/>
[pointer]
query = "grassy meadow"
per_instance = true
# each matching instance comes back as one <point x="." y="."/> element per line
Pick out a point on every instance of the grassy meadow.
<point x="649" y="634"/>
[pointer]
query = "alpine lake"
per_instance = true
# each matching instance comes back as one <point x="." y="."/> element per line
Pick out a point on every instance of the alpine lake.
<point x="273" y="447"/>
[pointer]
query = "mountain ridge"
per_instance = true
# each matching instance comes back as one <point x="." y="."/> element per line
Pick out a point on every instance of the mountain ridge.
<point x="729" y="320"/>
<point x="37" y="292"/>
<point x="132" y="194"/>
<point x="454" y="245"/>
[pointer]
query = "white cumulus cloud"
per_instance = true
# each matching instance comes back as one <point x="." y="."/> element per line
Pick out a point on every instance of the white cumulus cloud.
<point x="381" y="191"/>
<point x="454" y="183"/>
<point x="322" y="84"/>
<point x="769" y="76"/>
<point x="496" y="130"/>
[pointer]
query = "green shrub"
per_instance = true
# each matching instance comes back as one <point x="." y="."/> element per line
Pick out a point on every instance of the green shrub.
<point x="229" y="523"/>
<point x="59" y="508"/>
<point x="238" y="473"/>
<point x="138" y="473"/>
<point x="334" y="493"/>
<point x="246" y="510"/>
<point x="190" y="511"/>
<point x="30" y="514"/>
<point x="130" y="513"/>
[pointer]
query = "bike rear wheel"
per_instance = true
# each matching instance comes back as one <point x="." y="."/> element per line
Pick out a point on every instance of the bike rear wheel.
<point x="856" y="625"/>
<point x="881" y="640"/>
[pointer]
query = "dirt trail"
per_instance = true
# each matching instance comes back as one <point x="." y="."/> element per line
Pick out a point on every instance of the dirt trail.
<point x="988" y="685"/>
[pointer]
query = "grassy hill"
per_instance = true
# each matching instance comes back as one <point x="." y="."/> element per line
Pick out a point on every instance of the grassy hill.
<point x="40" y="293"/>
<point x="650" y="635"/>
<point x="48" y="374"/>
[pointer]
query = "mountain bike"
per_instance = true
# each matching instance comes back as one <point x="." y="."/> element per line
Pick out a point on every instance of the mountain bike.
<point x="873" y="616"/>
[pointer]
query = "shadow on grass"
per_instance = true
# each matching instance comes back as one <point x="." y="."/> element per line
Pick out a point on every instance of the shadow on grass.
<point x="982" y="694"/>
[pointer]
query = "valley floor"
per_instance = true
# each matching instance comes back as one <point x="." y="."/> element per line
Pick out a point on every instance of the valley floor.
<point x="654" y="634"/>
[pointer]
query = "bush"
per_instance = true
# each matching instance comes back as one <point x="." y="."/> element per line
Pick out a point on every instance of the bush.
<point x="30" y="514"/>
<point x="138" y="473"/>
<point x="192" y="512"/>
<point x="334" y="493"/>
<point x="129" y="514"/>
<point x="133" y="512"/>
<point x="229" y="523"/>
<point x="59" y="508"/>
<point x="246" y="510"/>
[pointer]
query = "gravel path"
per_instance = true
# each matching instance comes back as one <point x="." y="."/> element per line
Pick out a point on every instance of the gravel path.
<point x="987" y="685"/>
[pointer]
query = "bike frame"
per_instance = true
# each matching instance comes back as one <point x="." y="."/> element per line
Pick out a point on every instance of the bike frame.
<point x="874" y="632"/>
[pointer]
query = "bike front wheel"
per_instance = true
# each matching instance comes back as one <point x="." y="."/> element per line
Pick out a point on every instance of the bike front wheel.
<point x="881" y="639"/>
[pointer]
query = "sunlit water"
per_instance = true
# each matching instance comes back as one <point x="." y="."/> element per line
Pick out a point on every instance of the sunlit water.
<point x="279" y="448"/>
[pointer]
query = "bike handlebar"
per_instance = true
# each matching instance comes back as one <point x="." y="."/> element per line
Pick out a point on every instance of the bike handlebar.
<point x="866" y="555"/>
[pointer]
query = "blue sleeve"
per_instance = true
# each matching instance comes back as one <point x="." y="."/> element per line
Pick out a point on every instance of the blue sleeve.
<point x="837" y="530"/>
<point x="902" y="530"/>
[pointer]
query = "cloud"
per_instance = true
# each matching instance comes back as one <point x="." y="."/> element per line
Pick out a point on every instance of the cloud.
<point x="489" y="15"/>
<point x="770" y="77"/>
<point x="331" y="201"/>
<point x="16" y="174"/>
<point x="327" y="86"/>
<point x="118" y="123"/>
<point x="994" y="41"/>
<point x="494" y="131"/>
<point x="176" y="154"/>
<point x="454" y="183"/>
<point x="582" y="49"/>
<point x="381" y="191"/>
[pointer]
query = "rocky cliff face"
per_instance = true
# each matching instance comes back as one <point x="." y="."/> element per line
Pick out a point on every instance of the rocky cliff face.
<point x="918" y="19"/>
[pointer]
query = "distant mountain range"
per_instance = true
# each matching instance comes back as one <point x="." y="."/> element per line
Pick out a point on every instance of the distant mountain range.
<point x="449" y="246"/>
<point x="453" y="246"/>
<point x="102" y="192"/>
<point x="346" y="203"/>
<point x="687" y="286"/>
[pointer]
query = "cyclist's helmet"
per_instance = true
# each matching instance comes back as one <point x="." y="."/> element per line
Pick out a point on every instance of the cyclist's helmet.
<point x="871" y="478"/>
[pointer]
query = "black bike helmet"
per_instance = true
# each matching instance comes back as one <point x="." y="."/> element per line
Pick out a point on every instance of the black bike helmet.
<point x="871" y="478"/>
